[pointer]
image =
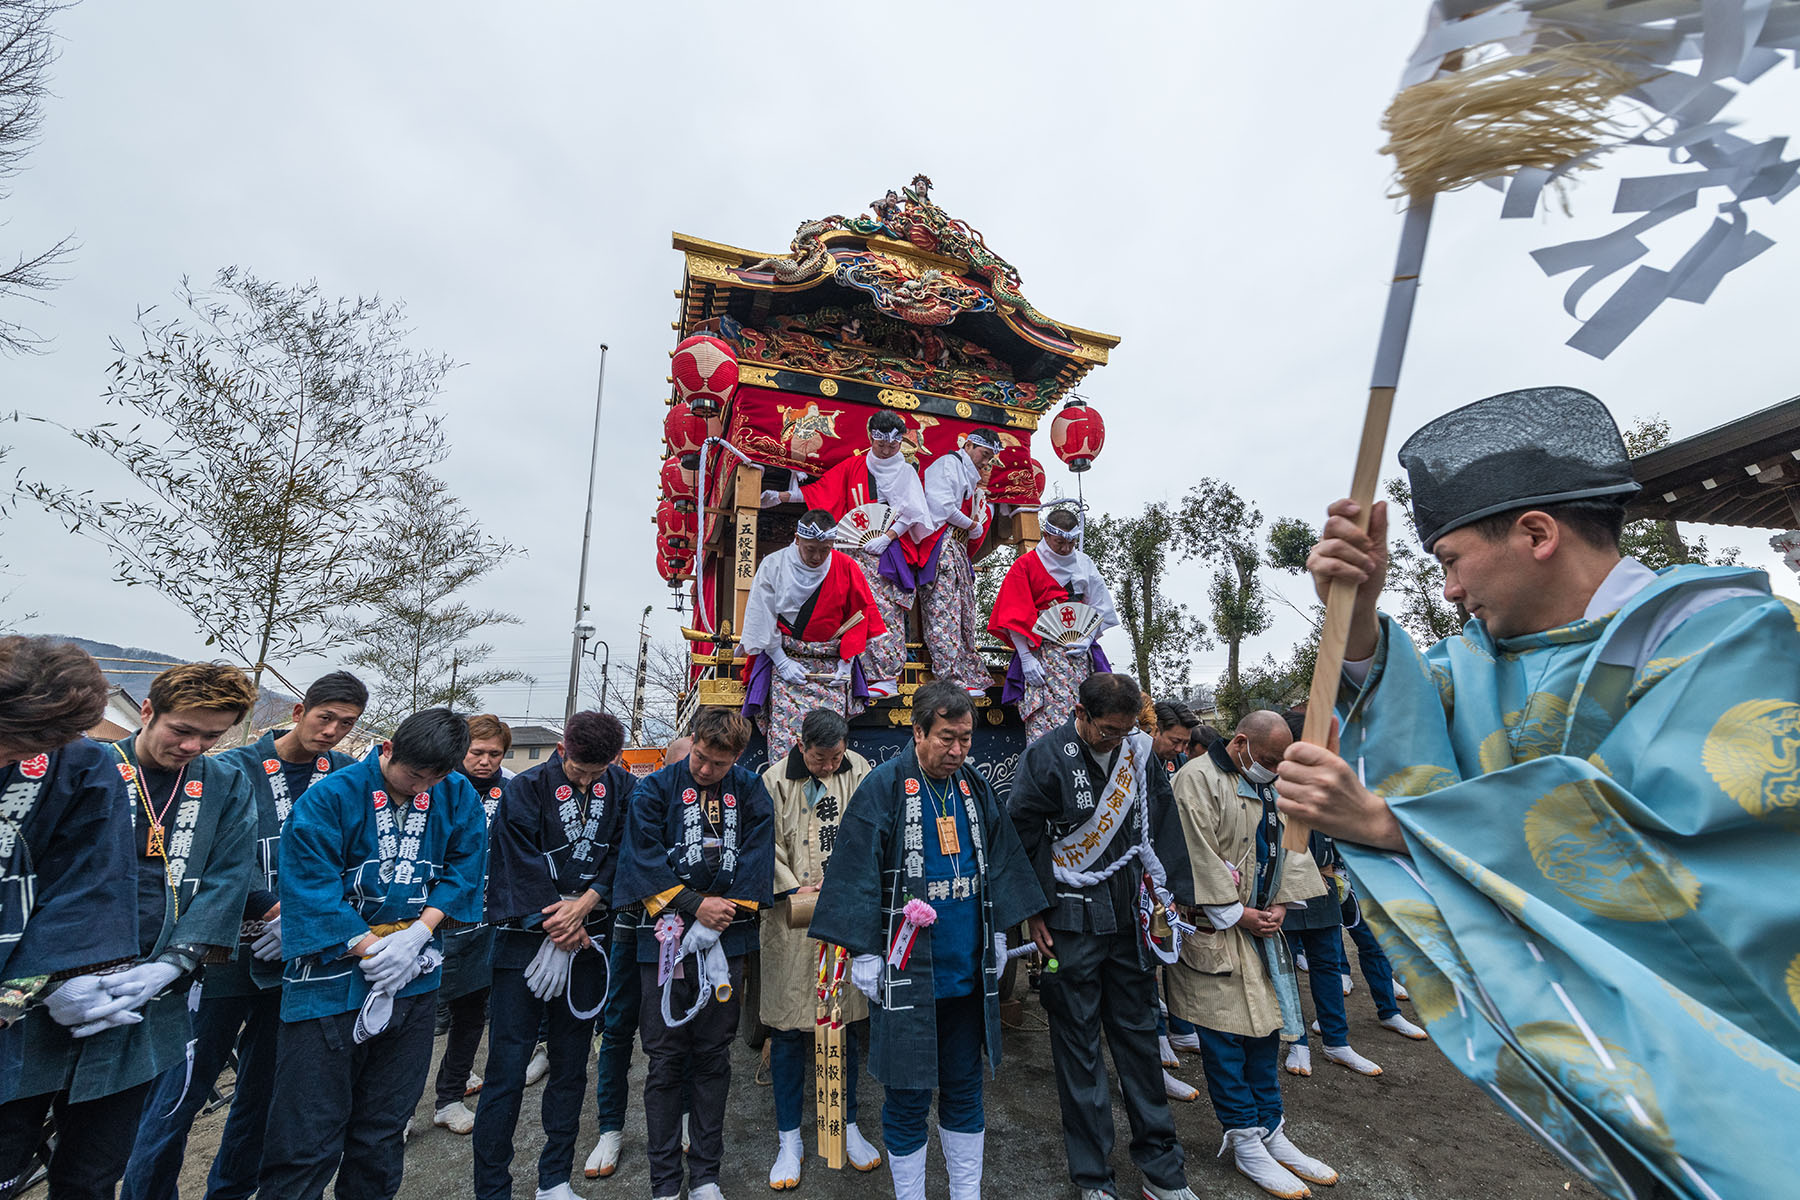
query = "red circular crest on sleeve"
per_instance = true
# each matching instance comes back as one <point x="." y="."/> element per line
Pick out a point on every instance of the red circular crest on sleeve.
<point x="730" y="800"/>
<point x="422" y="801"/>
<point x="493" y="793"/>
<point x="380" y="798"/>
<point x="324" y="763"/>
<point x="127" y="772"/>
<point x="965" y="786"/>
<point x="564" y="792"/>
<point x="912" y="787"/>
<point x="35" y="766"/>
<point x="689" y="795"/>
<point x="270" y="766"/>
<point x="600" y="790"/>
<point x="193" y="788"/>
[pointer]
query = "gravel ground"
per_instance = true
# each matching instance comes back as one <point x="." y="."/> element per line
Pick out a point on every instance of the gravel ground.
<point x="1418" y="1131"/>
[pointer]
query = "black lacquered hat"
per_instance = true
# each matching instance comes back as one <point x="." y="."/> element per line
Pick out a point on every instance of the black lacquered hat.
<point x="1516" y="450"/>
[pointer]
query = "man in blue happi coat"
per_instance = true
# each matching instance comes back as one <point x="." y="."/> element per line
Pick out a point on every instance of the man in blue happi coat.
<point x="934" y="988"/>
<point x="68" y="903"/>
<point x="555" y="851"/>
<point x="373" y="860"/>
<point x="1574" y="823"/>
<point x="240" y="1002"/>
<point x="700" y="859"/>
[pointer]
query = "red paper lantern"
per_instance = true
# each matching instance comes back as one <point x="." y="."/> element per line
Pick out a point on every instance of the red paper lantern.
<point x="675" y="524"/>
<point x="677" y="481"/>
<point x="1077" y="434"/>
<point x="672" y="564"/>
<point x="684" y="430"/>
<point x="706" y="373"/>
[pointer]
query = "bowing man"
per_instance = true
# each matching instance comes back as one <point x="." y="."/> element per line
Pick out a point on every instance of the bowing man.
<point x="240" y="1002"/>
<point x="699" y="857"/>
<point x="957" y="510"/>
<point x="469" y="949"/>
<point x="68" y="909"/>
<point x="550" y="878"/>
<point x="1044" y="675"/>
<point x="1234" y="968"/>
<point x="374" y="859"/>
<point x="925" y="914"/>
<point x="810" y="789"/>
<point x="808" y="618"/>
<point x="1095" y="815"/>
<point x="882" y="475"/>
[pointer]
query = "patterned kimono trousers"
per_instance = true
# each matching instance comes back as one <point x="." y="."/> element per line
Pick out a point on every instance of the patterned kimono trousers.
<point x="952" y="617"/>
<point x="849" y="485"/>
<point x="1596" y="915"/>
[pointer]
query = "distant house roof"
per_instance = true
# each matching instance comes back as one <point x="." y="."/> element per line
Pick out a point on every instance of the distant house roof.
<point x="534" y="735"/>
<point x="121" y="719"/>
<point x="1744" y="473"/>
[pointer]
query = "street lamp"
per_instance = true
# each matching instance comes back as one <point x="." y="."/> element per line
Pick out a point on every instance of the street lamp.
<point x="587" y="531"/>
<point x="585" y="631"/>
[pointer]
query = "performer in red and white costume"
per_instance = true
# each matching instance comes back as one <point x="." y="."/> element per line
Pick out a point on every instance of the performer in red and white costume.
<point x="1045" y="676"/>
<point x="880" y="476"/>
<point x="809" y="617"/>
<point x="957" y="511"/>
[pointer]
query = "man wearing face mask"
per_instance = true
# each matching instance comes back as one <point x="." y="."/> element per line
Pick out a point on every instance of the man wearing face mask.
<point x="809" y="616"/>
<point x="1046" y="672"/>
<point x="1094" y="813"/>
<point x="881" y="476"/>
<point x="1235" y="979"/>
<point x="957" y="510"/>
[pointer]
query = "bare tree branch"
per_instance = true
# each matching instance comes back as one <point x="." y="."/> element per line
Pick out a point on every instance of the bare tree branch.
<point x="27" y="50"/>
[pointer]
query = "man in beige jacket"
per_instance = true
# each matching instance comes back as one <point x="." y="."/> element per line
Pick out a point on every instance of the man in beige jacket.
<point x="809" y="788"/>
<point x="1243" y="886"/>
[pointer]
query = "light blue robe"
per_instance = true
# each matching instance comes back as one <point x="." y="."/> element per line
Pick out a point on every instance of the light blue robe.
<point x="1597" y="917"/>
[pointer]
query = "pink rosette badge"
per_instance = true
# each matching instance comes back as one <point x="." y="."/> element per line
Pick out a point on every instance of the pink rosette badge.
<point x="919" y="915"/>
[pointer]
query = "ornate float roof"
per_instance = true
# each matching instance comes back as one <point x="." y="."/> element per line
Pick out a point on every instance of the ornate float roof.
<point x="905" y="303"/>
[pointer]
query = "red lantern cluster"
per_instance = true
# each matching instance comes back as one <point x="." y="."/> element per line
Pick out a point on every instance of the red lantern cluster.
<point x="675" y="524"/>
<point x="1077" y="434"/>
<point x="672" y="563"/>
<point x="705" y="370"/>
<point x="684" y="431"/>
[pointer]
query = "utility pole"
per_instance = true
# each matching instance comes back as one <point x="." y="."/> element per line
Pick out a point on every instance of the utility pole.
<point x="643" y="669"/>
<point x="587" y="531"/>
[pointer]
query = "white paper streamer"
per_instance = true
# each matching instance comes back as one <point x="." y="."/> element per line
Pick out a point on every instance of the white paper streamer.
<point x="1700" y="44"/>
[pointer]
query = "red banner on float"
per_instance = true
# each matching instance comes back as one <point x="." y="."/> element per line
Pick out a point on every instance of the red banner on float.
<point x="812" y="434"/>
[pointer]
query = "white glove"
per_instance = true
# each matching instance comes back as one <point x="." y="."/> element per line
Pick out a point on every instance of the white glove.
<point x="842" y="674"/>
<point x="875" y="545"/>
<point x="771" y="499"/>
<point x="267" y="948"/>
<point x="76" y="1001"/>
<point x="394" y="962"/>
<point x="865" y="973"/>
<point x="1031" y="669"/>
<point x="1077" y="649"/>
<point x="548" y="974"/>
<point x="791" y="671"/>
<point x="699" y="939"/>
<point x="129" y="990"/>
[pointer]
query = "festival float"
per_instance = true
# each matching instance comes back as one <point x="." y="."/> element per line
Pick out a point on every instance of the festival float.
<point x="780" y="361"/>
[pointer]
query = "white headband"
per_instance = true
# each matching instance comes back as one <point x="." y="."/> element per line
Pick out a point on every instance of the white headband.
<point x="816" y="533"/>
<point x="877" y="435"/>
<point x="985" y="438"/>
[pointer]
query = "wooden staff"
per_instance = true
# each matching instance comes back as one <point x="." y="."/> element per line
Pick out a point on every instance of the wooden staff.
<point x="1340" y="601"/>
<point x="828" y="1056"/>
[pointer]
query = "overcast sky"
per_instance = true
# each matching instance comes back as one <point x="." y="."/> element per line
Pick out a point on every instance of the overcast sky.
<point x="1200" y="179"/>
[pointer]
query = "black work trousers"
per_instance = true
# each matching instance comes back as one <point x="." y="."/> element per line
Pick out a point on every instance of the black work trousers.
<point x="93" y="1140"/>
<point x="694" y="1056"/>
<point x="343" y="1107"/>
<point x="1103" y="983"/>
